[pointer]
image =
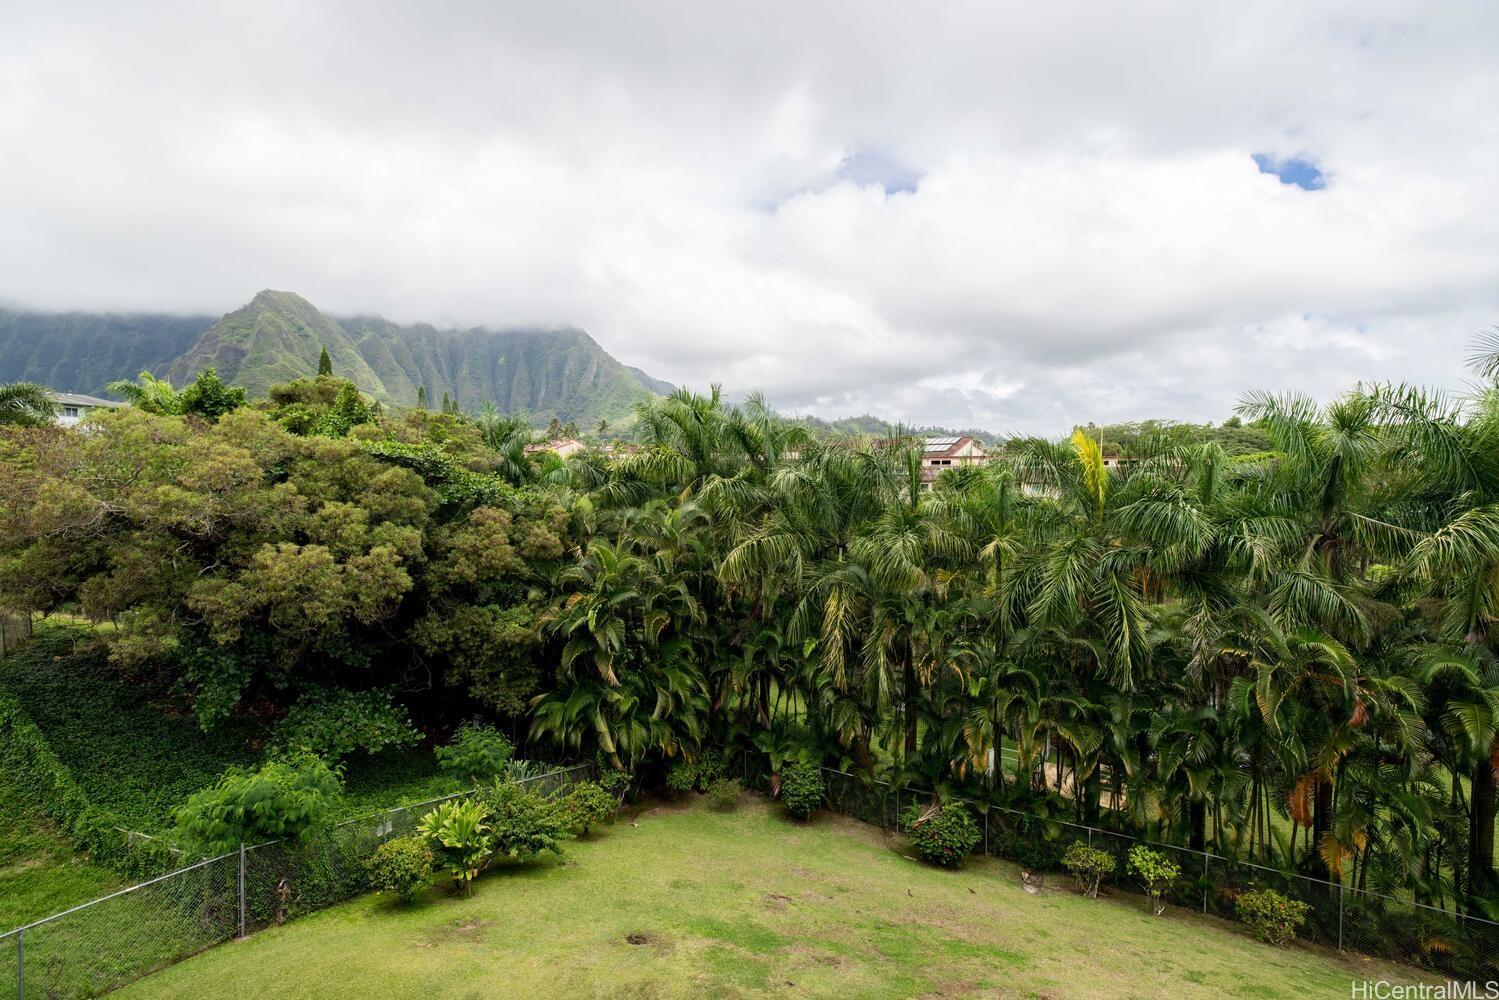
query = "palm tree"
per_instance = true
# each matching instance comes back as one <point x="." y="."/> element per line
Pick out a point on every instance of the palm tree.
<point x="26" y="404"/>
<point x="149" y="393"/>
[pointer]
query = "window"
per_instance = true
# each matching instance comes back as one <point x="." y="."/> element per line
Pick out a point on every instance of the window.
<point x="70" y="411"/>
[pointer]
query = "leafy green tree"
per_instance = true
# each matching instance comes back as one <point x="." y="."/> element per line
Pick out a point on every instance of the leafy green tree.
<point x="325" y="363"/>
<point x="290" y="799"/>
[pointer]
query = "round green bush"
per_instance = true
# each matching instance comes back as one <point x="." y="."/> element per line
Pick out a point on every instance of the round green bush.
<point x="801" y="788"/>
<point x="1156" y="872"/>
<point x="1273" y="918"/>
<point x="723" y="795"/>
<point x="943" y="836"/>
<point x="402" y="866"/>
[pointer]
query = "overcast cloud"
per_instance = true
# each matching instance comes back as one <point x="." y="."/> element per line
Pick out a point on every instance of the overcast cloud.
<point x="1014" y="216"/>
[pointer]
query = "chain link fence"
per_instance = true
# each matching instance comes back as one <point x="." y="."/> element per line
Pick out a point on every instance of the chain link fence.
<point x="1458" y="946"/>
<point x="102" y="945"/>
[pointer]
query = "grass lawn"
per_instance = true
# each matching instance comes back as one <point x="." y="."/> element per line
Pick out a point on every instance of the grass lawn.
<point x="682" y="901"/>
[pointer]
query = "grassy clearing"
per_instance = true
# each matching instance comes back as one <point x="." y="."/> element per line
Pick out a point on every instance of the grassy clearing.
<point x="684" y="901"/>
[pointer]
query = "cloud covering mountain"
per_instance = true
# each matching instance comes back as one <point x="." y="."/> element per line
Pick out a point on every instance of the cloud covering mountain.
<point x="1004" y="215"/>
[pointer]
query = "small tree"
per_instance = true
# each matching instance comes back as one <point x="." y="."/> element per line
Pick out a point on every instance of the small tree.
<point x="325" y="363"/>
<point x="588" y="803"/>
<point x="524" y="821"/>
<point x="943" y="835"/>
<point x="801" y="788"/>
<point x="460" y="839"/>
<point x="1156" y="873"/>
<point x="1089" y="866"/>
<point x="285" y="799"/>
<point x="477" y="754"/>
<point x="1273" y="918"/>
<point x="401" y="866"/>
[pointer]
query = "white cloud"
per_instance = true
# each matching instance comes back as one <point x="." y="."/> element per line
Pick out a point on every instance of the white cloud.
<point x="1088" y="238"/>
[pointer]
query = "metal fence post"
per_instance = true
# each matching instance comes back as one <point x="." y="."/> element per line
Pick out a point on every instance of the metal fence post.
<point x="1340" y="916"/>
<point x="242" y="888"/>
<point x="1204" y="881"/>
<point x="21" y="964"/>
<point x="986" y="831"/>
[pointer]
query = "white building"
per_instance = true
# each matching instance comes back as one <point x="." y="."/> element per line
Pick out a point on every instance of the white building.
<point x="72" y="407"/>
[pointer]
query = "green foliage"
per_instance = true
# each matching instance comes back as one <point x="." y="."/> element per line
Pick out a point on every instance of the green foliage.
<point x="207" y="396"/>
<point x="477" y="754"/>
<point x="1273" y="918"/>
<point x="801" y="788"/>
<point x="681" y="777"/>
<point x="723" y="794"/>
<point x="325" y="363"/>
<point x="110" y="736"/>
<point x="402" y="866"/>
<point x="334" y="723"/>
<point x="1089" y="866"/>
<point x="284" y="800"/>
<point x="616" y="783"/>
<point x="943" y="835"/>
<point x="459" y="837"/>
<point x="525" y="822"/>
<point x="1156" y="872"/>
<point x="587" y="803"/>
<point x="25" y="404"/>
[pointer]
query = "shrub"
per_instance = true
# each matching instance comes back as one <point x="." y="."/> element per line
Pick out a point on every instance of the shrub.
<point x="681" y="778"/>
<point x="460" y="839"/>
<point x="588" y="803"/>
<point x="1089" y="866"/>
<point x="1273" y="918"/>
<point x="524" y="821"/>
<point x="291" y="799"/>
<point x="616" y="783"/>
<point x="943" y="835"/>
<point x="723" y="795"/>
<point x="1156" y="873"/>
<point x="401" y="866"/>
<point x="710" y="768"/>
<point x="801" y="788"/>
<point x="477" y="754"/>
<point x="334" y="724"/>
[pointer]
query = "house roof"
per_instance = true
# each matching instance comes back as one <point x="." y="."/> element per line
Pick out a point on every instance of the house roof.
<point x="79" y="399"/>
<point x="558" y="446"/>
<point x="950" y="445"/>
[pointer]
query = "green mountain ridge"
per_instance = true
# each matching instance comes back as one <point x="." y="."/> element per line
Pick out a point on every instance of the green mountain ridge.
<point x="277" y="337"/>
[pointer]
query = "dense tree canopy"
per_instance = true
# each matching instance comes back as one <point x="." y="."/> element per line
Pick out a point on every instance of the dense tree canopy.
<point x="1273" y="642"/>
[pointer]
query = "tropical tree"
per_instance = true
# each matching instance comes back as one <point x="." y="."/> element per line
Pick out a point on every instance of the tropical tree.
<point x="26" y="404"/>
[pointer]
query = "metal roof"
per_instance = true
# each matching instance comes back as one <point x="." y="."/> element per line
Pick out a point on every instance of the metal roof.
<point x="79" y="399"/>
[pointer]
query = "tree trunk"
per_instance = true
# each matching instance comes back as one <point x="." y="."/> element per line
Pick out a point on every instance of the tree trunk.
<point x="1481" y="828"/>
<point x="909" y="682"/>
<point x="1197" y="819"/>
<point x="1321" y="824"/>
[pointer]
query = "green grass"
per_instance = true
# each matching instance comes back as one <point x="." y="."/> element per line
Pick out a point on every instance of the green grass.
<point x="39" y="871"/>
<point x="684" y="901"/>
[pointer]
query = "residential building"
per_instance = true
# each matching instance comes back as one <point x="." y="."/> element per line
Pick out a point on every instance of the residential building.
<point x="938" y="454"/>
<point x="72" y="407"/>
<point x="563" y="447"/>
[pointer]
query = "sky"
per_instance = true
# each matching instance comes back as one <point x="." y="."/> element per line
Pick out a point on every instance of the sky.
<point x="1013" y="216"/>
